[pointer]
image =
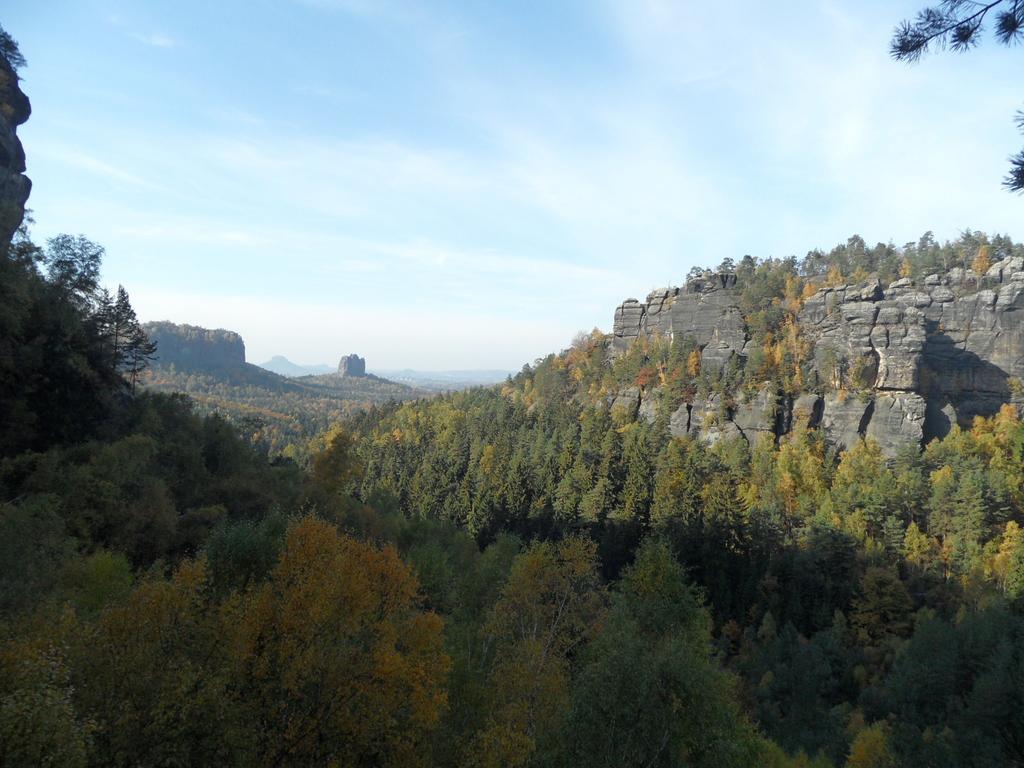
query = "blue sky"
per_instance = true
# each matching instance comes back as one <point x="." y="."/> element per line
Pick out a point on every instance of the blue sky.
<point x="466" y="185"/>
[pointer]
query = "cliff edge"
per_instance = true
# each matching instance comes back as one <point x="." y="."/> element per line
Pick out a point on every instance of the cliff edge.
<point x="900" y="363"/>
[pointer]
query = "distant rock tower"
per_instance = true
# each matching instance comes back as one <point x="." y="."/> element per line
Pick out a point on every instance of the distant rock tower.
<point x="352" y="365"/>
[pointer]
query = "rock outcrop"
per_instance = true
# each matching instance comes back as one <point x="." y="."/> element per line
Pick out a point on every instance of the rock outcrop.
<point x="352" y="365"/>
<point x="757" y="416"/>
<point x="705" y="309"/>
<point x="15" y="186"/>
<point x="190" y="348"/>
<point x="711" y="419"/>
<point x="900" y="363"/>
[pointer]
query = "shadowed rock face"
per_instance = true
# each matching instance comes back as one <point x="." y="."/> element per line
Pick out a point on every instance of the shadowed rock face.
<point x="922" y="357"/>
<point x="15" y="186"/>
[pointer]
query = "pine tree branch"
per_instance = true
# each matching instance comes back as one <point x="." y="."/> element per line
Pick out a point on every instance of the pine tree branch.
<point x="911" y="40"/>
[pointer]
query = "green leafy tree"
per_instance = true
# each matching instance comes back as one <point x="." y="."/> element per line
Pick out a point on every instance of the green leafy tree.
<point x="333" y="660"/>
<point x="10" y="51"/>
<point x="882" y="609"/>
<point x="870" y="749"/>
<point x="649" y="692"/>
<point x="39" y="725"/>
<point x="132" y="349"/>
<point x="547" y="609"/>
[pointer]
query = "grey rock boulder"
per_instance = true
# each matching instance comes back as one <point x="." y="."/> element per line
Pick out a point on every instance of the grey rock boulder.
<point x="649" y="401"/>
<point x="679" y="421"/>
<point x="806" y="410"/>
<point x="710" y="423"/>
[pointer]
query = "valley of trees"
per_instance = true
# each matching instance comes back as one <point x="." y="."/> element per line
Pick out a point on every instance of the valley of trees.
<point x="280" y="415"/>
<point x="169" y="596"/>
<point x="515" y="575"/>
<point x="869" y="609"/>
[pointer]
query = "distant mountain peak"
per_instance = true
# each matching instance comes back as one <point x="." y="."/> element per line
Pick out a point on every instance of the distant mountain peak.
<point x="282" y="366"/>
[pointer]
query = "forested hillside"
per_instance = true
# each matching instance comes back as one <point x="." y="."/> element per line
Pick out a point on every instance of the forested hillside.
<point x="865" y="602"/>
<point x="169" y="596"/>
<point x="278" y="413"/>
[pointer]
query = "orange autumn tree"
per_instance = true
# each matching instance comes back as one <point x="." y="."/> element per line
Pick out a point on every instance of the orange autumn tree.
<point x="338" y="663"/>
<point x="982" y="261"/>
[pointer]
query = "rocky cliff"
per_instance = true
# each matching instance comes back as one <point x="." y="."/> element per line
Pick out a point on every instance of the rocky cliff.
<point x="14" y="184"/>
<point x="900" y="363"/>
<point x="352" y="365"/>
<point x="190" y="348"/>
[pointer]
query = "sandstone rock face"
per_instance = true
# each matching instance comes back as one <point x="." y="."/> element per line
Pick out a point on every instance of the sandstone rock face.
<point x="704" y="420"/>
<point x="679" y="421"/>
<point x="805" y="409"/>
<point x="899" y="364"/>
<point x="757" y="416"/>
<point x="933" y="355"/>
<point x="627" y="401"/>
<point x="352" y="365"/>
<point x="706" y="309"/>
<point x="862" y="340"/>
<point x="897" y="421"/>
<point x="711" y="422"/>
<point x="709" y="419"/>
<point x="845" y="418"/>
<point x="190" y="348"/>
<point x="975" y="346"/>
<point x="648" y="409"/>
<point x="15" y="186"/>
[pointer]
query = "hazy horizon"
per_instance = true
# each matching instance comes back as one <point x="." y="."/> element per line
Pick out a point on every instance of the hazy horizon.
<point x="467" y="186"/>
<point x="372" y="368"/>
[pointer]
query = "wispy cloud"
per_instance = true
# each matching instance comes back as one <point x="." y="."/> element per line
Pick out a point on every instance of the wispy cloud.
<point x="194" y="232"/>
<point x="235" y="117"/>
<point x="820" y="134"/>
<point x="85" y="161"/>
<point x="155" y="39"/>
